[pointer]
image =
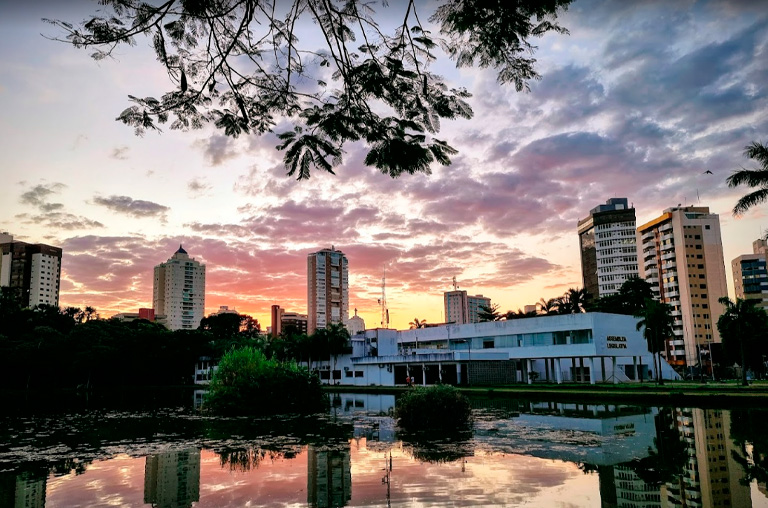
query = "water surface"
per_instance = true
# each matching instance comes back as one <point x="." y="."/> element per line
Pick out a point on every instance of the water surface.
<point x="520" y="453"/>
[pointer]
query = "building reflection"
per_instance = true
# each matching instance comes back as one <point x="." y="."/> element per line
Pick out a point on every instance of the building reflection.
<point x="329" y="476"/>
<point x="23" y="489"/>
<point x="698" y="470"/>
<point x="172" y="479"/>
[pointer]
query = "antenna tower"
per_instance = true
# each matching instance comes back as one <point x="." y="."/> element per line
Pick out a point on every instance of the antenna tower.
<point x="383" y="302"/>
<point x="455" y="284"/>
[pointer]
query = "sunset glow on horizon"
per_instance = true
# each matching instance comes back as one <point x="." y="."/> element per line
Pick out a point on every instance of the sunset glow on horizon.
<point x="641" y="100"/>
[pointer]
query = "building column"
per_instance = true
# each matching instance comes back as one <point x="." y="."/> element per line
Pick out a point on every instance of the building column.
<point x="423" y="375"/>
<point x="634" y="363"/>
<point x="458" y="373"/>
<point x="528" y="370"/>
<point x="602" y="368"/>
<point x="581" y="369"/>
<point x="546" y="369"/>
<point x="440" y="372"/>
<point x="558" y="372"/>
<point x="613" y="365"/>
<point x="573" y="369"/>
<point x="591" y="360"/>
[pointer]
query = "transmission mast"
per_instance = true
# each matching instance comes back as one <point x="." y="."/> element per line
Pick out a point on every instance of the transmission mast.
<point x="455" y="284"/>
<point x="383" y="302"/>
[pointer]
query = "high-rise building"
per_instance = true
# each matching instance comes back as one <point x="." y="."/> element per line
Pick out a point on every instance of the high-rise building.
<point x="32" y="271"/>
<point x="682" y="258"/>
<point x="750" y="278"/>
<point x="327" y="289"/>
<point x="284" y="322"/>
<point x="461" y="308"/>
<point x="179" y="291"/>
<point x="607" y="242"/>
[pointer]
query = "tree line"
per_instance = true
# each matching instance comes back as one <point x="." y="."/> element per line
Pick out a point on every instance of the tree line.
<point x="48" y="346"/>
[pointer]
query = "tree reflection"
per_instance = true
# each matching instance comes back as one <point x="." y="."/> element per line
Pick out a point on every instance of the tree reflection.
<point x="667" y="461"/>
<point x="439" y="447"/>
<point x="748" y="433"/>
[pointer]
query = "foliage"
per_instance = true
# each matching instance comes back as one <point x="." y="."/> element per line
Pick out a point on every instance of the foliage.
<point x="438" y="407"/>
<point x="657" y="321"/>
<point x="743" y="326"/>
<point x="240" y="65"/>
<point x="488" y="313"/>
<point x="667" y="462"/>
<point x="757" y="177"/>
<point x="246" y="382"/>
<point x="629" y="300"/>
<point x="416" y="324"/>
<point x="572" y="302"/>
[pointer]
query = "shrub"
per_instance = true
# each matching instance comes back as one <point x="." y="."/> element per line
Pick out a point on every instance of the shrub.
<point x="439" y="407"/>
<point x="247" y="383"/>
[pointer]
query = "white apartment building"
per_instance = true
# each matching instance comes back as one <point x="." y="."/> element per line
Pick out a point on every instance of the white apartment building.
<point x="33" y="271"/>
<point x="608" y="245"/>
<point x="179" y="291"/>
<point x="327" y="289"/>
<point x="461" y="308"/>
<point x="750" y="277"/>
<point x="682" y="258"/>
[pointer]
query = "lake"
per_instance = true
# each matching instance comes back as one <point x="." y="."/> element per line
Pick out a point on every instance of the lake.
<point x="164" y="453"/>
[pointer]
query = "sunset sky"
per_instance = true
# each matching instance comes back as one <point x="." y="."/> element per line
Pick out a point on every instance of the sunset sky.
<point x="638" y="101"/>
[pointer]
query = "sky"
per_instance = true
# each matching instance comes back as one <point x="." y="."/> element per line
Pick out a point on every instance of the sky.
<point x="639" y="101"/>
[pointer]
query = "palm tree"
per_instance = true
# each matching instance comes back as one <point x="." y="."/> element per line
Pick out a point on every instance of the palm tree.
<point x="548" y="306"/>
<point x="416" y="324"/>
<point x="577" y="299"/>
<point x="337" y="336"/>
<point x="742" y="321"/>
<point x="657" y="320"/>
<point x="488" y="313"/>
<point x="752" y="178"/>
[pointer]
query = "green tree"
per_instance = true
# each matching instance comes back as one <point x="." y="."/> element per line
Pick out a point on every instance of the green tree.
<point x="240" y="65"/>
<point x="656" y="319"/>
<point x="572" y="302"/>
<point x="488" y="313"/>
<point x="547" y="306"/>
<point x="744" y="327"/>
<point x="757" y="177"/>
<point x="337" y="336"/>
<point x="416" y="324"/>
<point x="629" y="300"/>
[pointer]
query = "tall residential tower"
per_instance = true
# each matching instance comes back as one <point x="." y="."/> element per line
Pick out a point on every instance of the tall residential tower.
<point x="608" y="247"/>
<point x="32" y="271"/>
<point x="179" y="291"/>
<point x="327" y="289"/>
<point x="461" y="308"/>
<point x="682" y="258"/>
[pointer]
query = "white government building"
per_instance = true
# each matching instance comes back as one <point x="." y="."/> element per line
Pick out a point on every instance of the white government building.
<point x="588" y="348"/>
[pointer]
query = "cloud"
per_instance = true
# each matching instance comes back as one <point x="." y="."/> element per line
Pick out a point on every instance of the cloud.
<point x="217" y="149"/>
<point x="132" y="207"/>
<point x="38" y="196"/>
<point x="119" y="153"/>
<point x="59" y="220"/>
<point x="198" y="187"/>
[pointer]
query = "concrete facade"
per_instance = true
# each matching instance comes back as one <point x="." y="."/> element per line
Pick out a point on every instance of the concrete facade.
<point x="327" y="289"/>
<point x="461" y="308"/>
<point x="179" y="291"/>
<point x="682" y="258"/>
<point x="608" y="247"/>
<point x="32" y="271"/>
<point x="750" y="277"/>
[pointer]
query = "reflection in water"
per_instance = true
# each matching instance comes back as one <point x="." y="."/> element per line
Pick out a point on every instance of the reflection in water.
<point x="25" y="490"/>
<point x="172" y="479"/>
<point x="329" y="476"/>
<point x="537" y="454"/>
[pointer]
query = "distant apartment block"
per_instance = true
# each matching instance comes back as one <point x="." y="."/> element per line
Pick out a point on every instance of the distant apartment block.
<point x="145" y="314"/>
<point x="32" y="271"/>
<point x="750" y="278"/>
<point x="608" y="245"/>
<point x="461" y="308"/>
<point x="682" y="258"/>
<point x="179" y="291"/>
<point x="284" y="322"/>
<point x="327" y="289"/>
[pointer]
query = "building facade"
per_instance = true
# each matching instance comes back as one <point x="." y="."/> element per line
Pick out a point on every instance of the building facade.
<point x="750" y="278"/>
<point x="179" y="291"/>
<point x="327" y="289"/>
<point x="284" y="322"/>
<point x="682" y="259"/>
<point x="608" y="246"/>
<point x="32" y="271"/>
<point x="461" y="308"/>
